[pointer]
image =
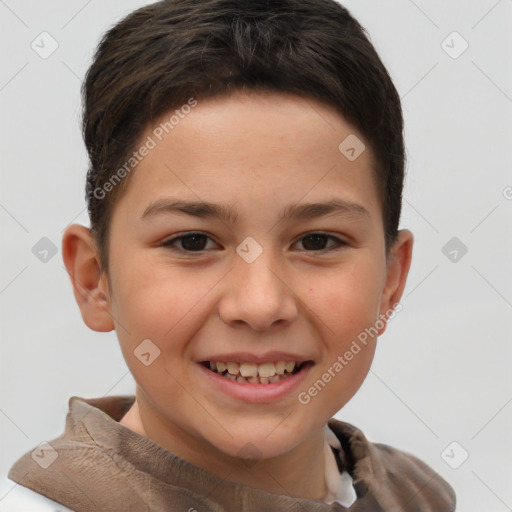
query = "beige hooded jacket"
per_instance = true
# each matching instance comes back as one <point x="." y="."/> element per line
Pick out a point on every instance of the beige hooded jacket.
<point x="97" y="464"/>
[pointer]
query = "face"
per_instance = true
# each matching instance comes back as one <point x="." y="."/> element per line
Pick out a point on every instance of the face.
<point x="229" y="313"/>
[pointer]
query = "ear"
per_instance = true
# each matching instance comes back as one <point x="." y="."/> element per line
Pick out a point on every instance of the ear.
<point x="398" y="263"/>
<point x="90" y="285"/>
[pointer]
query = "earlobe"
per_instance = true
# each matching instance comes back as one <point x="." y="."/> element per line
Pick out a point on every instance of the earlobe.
<point x="89" y="284"/>
<point x="398" y="264"/>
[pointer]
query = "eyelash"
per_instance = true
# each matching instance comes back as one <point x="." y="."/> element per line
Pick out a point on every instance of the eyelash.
<point x="169" y="243"/>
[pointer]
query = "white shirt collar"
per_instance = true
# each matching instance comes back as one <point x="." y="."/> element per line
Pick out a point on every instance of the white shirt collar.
<point x="339" y="485"/>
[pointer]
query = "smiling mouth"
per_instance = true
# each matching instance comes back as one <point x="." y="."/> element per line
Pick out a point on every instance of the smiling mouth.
<point x="251" y="373"/>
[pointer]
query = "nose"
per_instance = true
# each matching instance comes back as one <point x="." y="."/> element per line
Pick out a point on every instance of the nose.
<point x="258" y="294"/>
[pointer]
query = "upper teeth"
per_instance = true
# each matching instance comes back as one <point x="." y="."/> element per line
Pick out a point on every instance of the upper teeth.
<point x="254" y="370"/>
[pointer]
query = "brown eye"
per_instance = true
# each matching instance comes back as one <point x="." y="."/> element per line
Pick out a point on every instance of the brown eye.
<point x="317" y="242"/>
<point x="192" y="242"/>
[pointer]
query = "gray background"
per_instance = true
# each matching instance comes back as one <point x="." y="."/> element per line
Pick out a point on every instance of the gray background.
<point x="442" y="370"/>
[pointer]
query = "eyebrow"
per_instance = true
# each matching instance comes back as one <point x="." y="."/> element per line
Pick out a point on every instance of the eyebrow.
<point x="205" y="209"/>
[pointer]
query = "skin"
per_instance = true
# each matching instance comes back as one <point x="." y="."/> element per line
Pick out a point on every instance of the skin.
<point x="258" y="152"/>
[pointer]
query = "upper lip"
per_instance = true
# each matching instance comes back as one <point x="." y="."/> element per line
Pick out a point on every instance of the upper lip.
<point x="245" y="357"/>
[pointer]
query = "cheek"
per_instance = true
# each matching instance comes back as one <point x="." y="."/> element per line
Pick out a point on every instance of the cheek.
<point x="162" y="310"/>
<point x="159" y="303"/>
<point x="348" y="302"/>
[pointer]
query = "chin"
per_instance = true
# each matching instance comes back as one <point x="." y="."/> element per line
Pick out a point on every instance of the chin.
<point x="253" y="450"/>
<point x="251" y="444"/>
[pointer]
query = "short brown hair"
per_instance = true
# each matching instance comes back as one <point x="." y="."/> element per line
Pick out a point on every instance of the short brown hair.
<point x="161" y="55"/>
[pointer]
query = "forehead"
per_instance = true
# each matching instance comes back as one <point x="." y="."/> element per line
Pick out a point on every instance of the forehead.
<point x="252" y="146"/>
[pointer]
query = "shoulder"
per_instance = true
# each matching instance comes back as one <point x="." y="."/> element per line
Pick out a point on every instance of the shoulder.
<point x="392" y="477"/>
<point x="17" y="498"/>
<point x="413" y="478"/>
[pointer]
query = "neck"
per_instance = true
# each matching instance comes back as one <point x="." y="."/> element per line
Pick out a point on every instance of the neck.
<point x="299" y="473"/>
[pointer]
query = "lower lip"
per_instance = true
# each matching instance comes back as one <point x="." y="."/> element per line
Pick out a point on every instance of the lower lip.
<point x="257" y="393"/>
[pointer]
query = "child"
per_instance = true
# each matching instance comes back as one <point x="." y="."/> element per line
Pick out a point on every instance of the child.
<point x="260" y="128"/>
